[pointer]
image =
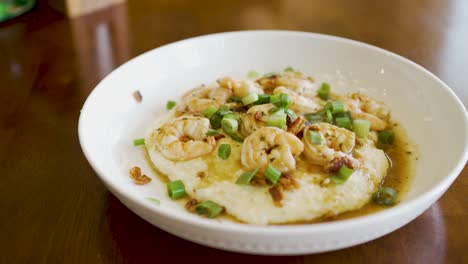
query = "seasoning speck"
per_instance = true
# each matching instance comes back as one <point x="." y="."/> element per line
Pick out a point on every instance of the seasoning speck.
<point x="137" y="96"/>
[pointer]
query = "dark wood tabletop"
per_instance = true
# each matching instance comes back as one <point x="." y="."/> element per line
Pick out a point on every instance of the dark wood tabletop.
<point x="54" y="209"/>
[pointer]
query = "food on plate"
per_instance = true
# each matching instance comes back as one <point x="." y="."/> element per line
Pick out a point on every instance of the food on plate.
<point x="277" y="149"/>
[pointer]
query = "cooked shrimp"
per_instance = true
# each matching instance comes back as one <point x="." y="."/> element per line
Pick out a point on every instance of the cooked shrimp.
<point x="240" y="88"/>
<point x="255" y="118"/>
<point x="365" y="107"/>
<point x="271" y="145"/>
<point x="184" y="138"/>
<point x="299" y="103"/>
<point x="296" y="81"/>
<point x="199" y="99"/>
<point x="335" y="148"/>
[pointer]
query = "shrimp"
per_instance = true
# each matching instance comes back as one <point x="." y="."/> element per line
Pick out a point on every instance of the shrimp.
<point x="271" y="145"/>
<point x="199" y="99"/>
<point x="365" y="107"/>
<point x="184" y="138"/>
<point x="296" y="81"/>
<point x="255" y="118"/>
<point x="335" y="148"/>
<point x="240" y="88"/>
<point x="299" y="103"/>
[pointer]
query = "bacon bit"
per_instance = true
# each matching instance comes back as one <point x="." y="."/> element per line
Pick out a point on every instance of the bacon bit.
<point x="137" y="96"/>
<point x="219" y="136"/>
<point x="314" y="127"/>
<point x="336" y="164"/>
<point x="135" y="174"/>
<point x="288" y="182"/>
<point x="201" y="174"/>
<point x="269" y="82"/>
<point x="297" y="126"/>
<point x="190" y="205"/>
<point x="258" y="181"/>
<point x="276" y="193"/>
<point x="184" y="138"/>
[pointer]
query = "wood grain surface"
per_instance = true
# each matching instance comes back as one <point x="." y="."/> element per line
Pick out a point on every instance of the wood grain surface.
<point x="53" y="207"/>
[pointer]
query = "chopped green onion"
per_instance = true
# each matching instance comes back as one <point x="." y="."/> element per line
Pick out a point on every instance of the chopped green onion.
<point x="209" y="111"/>
<point x="289" y="69"/>
<point x="246" y="177"/>
<point x="275" y="110"/>
<point x="215" y="119"/>
<point x="277" y="120"/>
<point x="170" y="105"/>
<point x="324" y="91"/>
<point x="314" y="117"/>
<point x="344" y="122"/>
<point x="224" y="151"/>
<point x="328" y="116"/>
<point x="249" y="99"/>
<point x="361" y="127"/>
<point x="176" y="189"/>
<point x="342" y="176"/>
<point x="291" y="114"/>
<point x="263" y="99"/>
<point x="272" y="174"/>
<point x="385" y="196"/>
<point x="235" y="137"/>
<point x="252" y="74"/>
<point x="209" y="209"/>
<point x="336" y="107"/>
<point x="212" y="132"/>
<point x="154" y="200"/>
<point x="235" y="99"/>
<point x="280" y="100"/>
<point x="315" y="137"/>
<point x="386" y="137"/>
<point x="229" y="124"/>
<point x="269" y="74"/>
<point x="138" y="142"/>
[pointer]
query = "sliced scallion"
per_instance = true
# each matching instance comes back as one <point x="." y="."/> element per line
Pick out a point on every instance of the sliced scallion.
<point x="385" y="196"/>
<point x="170" y="105"/>
<point x="324" y="91"/>
<point x="176" y="189"/>
<point x="314" y="117"/>
<point x="361" y="127"/>
<point x="209" y="111"/>
<point x="272" y="174"/>
<point x="209" y="209"/>
<point x="224" y="151"/>
<point x="252" y="75"/>
<point x="263" y="99"/>
<point x="336" y="107"/>
<point x="249" y="99"/>
<point x="343" y="174"/>
<point x="138" y="142"/>
<point x="386" y="137"/>
<point x="212" y="132"/>
<point x="343" y="122"/>
<point x="291" y="114"/>
<point x="280" y="100"/>
<point x="246" y="177"/>
<point x="154" y="200"/>
<point x="235" y="99"/>
<point x="289" y="69"/>
<point x="229" y="124"/>
<point x="315" y="137"/>
<point x="215" y="119"/>
<point x="277" y="120"/>
<point x="328" y="116"/>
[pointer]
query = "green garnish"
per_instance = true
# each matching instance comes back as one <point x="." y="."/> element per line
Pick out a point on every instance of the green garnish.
<point x="235" y="137"/>
<point x="272" y="174"/>
<point x="328" y="116"/>
<point x="361" y="127"/>
<point x="316" y="117"/>
<point x="252" y="75"/>
<point x="209" y="209"/>
<point x="249" y="99"/>
<point x="176" y="189"/>
<point x="343" y="122"/>
<point x="385" y="196"/>
<point x="386" y="137"/>
<point x="289" y="69"/>
<point x="342" y="176"/>
<point x="210" y="111"/>
<point x="291" y="114"/>
<point x="246" y="177"/>
<point x="335" y="107"/>
<point x="138" y="142"/>
<point x="324" y="91"/>
<point x="269" y="74"/>
<point x="235" y="99"/>
<point x="277" y="119"/>
<point x="212" y="132"/>
<point x="154" y="200"/>
<point x="170" y="105"/>
<point x="280" y="100"/>
<point x="215" y="119"/>
<point x="229" y="123"/>
<point x="224" y="151"/>
<point x="315" y="137"/>
<point x="263" y="99"/>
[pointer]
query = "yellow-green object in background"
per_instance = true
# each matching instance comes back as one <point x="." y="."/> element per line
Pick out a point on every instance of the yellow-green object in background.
<point x="13" y="8"/>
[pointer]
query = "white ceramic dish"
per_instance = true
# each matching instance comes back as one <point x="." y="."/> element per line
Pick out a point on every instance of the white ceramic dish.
<point x="433" y="116"/>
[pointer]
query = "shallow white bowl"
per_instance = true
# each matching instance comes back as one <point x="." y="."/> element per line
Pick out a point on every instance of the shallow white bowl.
<point x="110" y="119"/>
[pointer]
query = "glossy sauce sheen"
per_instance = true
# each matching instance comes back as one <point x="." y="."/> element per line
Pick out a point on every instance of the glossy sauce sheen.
<point x="401" y="153"/>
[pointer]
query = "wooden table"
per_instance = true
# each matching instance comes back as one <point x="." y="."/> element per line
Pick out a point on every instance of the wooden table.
<point x="55" y="209"/>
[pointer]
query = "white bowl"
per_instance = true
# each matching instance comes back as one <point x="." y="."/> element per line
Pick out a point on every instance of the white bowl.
<point x="433" y="116"/>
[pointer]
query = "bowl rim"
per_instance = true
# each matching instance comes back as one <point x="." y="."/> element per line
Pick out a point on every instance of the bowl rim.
<point x="296" y="229"/>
